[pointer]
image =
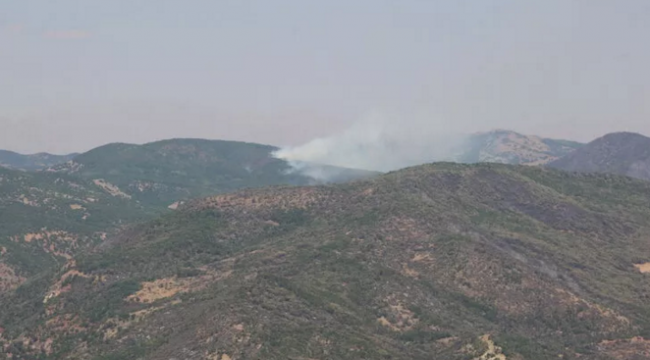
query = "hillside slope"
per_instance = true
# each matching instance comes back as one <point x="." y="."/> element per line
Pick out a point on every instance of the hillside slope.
<point x="51" y="215"/>
<point x="509" y="147"/>
<point x="462" y="262"/>
<point x="617" y="153"/>
<point x="40" y="161"/>
<point x="47" y="218"/>
<point x="164" y="172"/>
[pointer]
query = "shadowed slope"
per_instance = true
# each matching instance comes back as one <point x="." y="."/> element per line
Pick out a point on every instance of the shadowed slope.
<point x="617" y="153"/>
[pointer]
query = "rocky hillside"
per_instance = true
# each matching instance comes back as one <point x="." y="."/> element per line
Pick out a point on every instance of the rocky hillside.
<point x="617" y="153"/>
<point x="462" y="261"/>
<point x="509" y="147"/>
<point x="165" y="172"/>
<point x="40" y="161"/>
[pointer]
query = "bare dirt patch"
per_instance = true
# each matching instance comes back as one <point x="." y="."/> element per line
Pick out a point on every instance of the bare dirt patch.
<point x="644" y="268"/>
<point x="174" y="206"/>
<point x="422" y="257"/>
<point x="111" y="189"/>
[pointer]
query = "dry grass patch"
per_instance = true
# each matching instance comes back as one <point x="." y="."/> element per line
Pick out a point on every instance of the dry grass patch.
<point x="400" y="318"/>
<point x="8" y="278"/>
<point x="168" y="287"/>
<point x="493" y="352"/>
<point x="614" y="320"/>
<point x="160" y="289"/>
<point x="50" y="235"/>
<point x="636" y="347"/>
<point x="113" y="326"/>
<point x="58" y="287"/>
<point x="422" y="257"/>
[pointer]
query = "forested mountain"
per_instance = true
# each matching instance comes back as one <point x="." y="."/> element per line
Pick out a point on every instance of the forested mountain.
<point x="479" y="261"/>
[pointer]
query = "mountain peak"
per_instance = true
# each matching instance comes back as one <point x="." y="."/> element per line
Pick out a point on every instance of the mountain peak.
<point x="510" y="147"/>
<point x="623" y="153"/>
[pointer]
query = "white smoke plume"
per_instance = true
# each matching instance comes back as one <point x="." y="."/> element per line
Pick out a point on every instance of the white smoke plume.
<point x="377" y="143"/>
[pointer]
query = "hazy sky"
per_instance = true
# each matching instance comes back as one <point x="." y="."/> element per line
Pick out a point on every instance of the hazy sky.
<point x="76" y="74"/>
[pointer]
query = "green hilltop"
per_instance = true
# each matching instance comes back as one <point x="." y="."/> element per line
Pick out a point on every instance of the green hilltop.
<point x="163" y="172"/>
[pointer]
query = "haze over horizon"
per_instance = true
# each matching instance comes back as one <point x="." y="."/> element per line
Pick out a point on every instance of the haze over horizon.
<point x="80" y="74"/>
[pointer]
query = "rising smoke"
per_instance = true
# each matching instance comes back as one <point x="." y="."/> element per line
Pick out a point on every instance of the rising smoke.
<point x="376" y="143"/>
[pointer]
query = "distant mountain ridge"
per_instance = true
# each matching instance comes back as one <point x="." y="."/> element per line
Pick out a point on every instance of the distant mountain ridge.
<point x="509" y="147"/>
<point x="39" y="161"/>
<point x="500" y="146"/>
<point x="622" y="153"/>
<point x="52" y="214"/>
<point x="163" y="172"/>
